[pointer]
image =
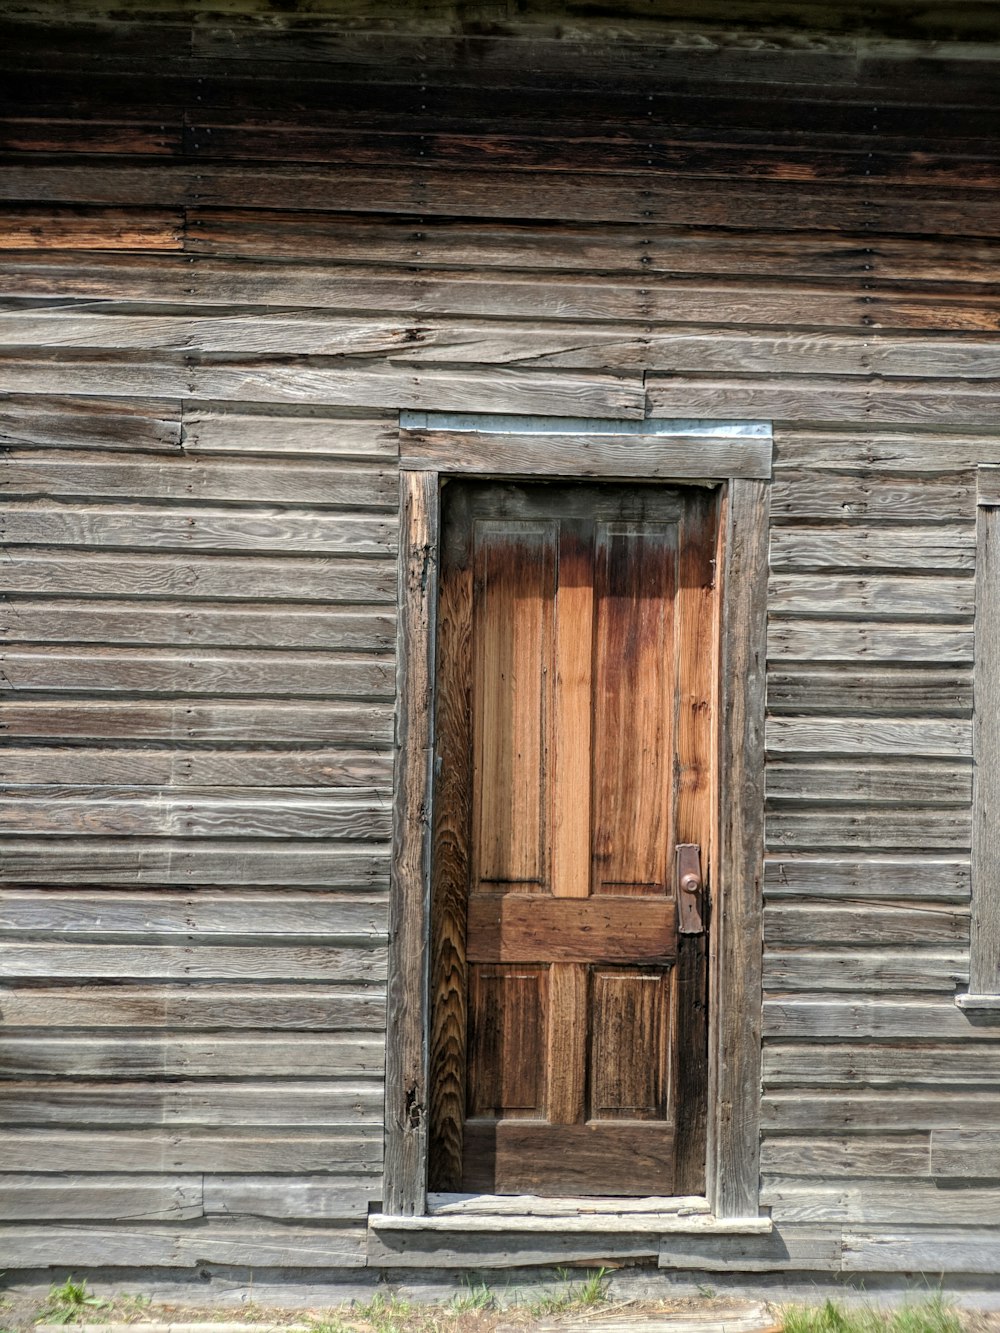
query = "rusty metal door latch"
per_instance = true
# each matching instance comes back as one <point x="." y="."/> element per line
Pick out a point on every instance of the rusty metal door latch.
<point x="690" y="890"/>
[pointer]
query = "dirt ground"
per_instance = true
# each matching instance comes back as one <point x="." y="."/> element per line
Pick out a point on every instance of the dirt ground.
<point x="577" y="1304"/>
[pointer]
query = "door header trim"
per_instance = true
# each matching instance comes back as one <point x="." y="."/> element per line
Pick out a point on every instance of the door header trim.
<point x="499" y="423"/>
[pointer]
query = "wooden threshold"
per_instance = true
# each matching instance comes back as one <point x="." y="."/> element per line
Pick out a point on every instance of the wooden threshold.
<point x="464" y="1213"/>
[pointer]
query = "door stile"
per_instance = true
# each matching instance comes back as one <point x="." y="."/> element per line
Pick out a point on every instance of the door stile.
<point x="570" y="803"/>
<point x="451" y="870"/>
<point x="694" y="819"/>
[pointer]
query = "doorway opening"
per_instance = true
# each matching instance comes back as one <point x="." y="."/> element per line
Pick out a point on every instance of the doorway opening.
<point x="573" y="838"/>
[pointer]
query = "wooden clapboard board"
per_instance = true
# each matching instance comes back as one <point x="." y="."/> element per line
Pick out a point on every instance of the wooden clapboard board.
<point x="574" y="734"/>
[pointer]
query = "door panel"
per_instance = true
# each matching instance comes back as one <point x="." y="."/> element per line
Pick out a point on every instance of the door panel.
<point x="630" y="1015"/>
<point x="635" y="578"/>
<point x="572" y="752"/>
<point x="515" y="571"/>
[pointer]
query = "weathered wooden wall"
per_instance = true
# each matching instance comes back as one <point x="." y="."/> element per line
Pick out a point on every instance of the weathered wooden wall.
<point x="234" y="252"/>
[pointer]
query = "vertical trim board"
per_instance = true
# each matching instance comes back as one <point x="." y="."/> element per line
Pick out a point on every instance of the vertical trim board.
<point x="406" y="1052"/>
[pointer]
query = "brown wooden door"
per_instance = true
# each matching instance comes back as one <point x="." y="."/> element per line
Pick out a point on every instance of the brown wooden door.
<point x="574" y="733"/>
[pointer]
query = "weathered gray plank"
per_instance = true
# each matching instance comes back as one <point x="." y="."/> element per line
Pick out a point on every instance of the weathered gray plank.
<point x="194" y="917"/>
<point x="907" y="1156"/>
<point x="427" y="341"/>
<point x="926" y="737"/>
<point x="124" y="1005"/>
<point x="906" y="923"/>
<point x="133" y="862"/>
<point x="266" y="813"/>
<point x="288" y="1197"/>
<point x="885" y="1203"/>
<point x="987" y="486"/>
<point x="868" y="1019"/>
<point x="406" y="1059"/>
<point x="499" y="389"/>
<point x="219" y="1242"/>
<point x="266" y="1055"/>
<point x="195" y="1150"/>
<point x="72" y="1197"/>
<point x="984" y="970"/>
<point x="796" y="398"/>
<point x="590" y="456"/>
<point x="868" y="877"/>
<point x="797" y="1248"/>
<point x="734" y="1139"/>
<point x="478" y="1249"/>
<point x="48" y="473"/>
<point x="884" y="971"/>
<point x="70" y="573"/>
<point x="829" y="595"/>
<point x="192" y="720"/>
<point x="858" y="780"/>
<point x="131" y="424"/>
<point x="850" y="1111"/>
<point x="197" y="673"/>
<point x="881" y="1066"/>
<point x="204" y="962"/>
<point x="238" y="433"/>
<point x="875" y="829"/>
<point x="251" y="625"/>
<point x="856" y="689"/>
<point x="871" y="641"/>
<point x="35" y="523"/>
<point x="872" y="497"/>
<point x="181" y="769"/>
<point x="965" y="1153"/>
<point x="199" y="1103"/>
<point x="949" y="546"/>
<point x="930" y="1249"/>
<point x="884" y="452"/>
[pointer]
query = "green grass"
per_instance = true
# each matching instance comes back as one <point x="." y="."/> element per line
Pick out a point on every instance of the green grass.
<point x="592" y="1291"/>
<point x="67" y="1303"/>
<point x="932" y="1315"/>
<point x="386" y="1315"/>
<point x="477" y="1296"/>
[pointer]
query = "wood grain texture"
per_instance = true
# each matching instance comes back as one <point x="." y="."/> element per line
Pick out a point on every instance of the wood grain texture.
<point x="406" y="1056"/>
<point x="168" y="1246"/>
<point x="902" y="1156"/>
<point x="868" y="1019"/>
<point x="195" y="1151"/>
<point x="733" y="1088"/>
<point x="220" y="1006"/>
<point x="197" y="917"/>
<point x="209" y="322"/>
<point x="984" y="977"/>
<point x="596" y="456"/>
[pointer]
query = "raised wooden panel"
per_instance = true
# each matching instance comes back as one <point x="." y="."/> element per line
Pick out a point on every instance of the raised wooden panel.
<point x="507" y="1013"/>
<point x="629" y="1075"/>
<point x="515" y="581"/>
<point x="635" y="575"/>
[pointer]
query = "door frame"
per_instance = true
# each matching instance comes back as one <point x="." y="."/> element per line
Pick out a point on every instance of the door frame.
<point x="736" y="455"/>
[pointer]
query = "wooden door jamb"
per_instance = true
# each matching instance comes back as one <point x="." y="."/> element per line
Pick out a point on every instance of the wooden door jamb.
<point x="735" y="967"/>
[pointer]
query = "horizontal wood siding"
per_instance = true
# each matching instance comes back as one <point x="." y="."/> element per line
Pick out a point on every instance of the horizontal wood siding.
<point x="233" y="253"/>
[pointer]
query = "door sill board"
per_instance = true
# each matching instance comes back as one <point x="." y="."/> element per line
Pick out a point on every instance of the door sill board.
<point x="457" y="1213"/>
<point x="538" y="1205"/>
